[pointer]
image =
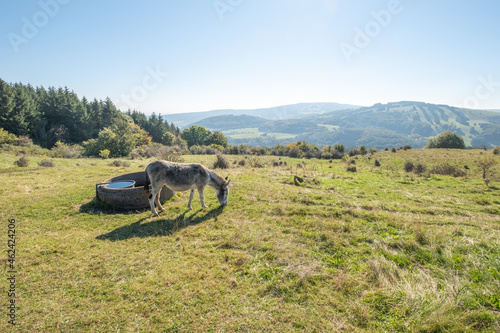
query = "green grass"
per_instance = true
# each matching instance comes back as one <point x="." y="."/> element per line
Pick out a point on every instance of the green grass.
<point x="253" y="132"/>
<point x="378" y="249"/>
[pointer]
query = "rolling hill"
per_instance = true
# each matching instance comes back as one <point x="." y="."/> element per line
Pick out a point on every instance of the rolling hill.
<point x="379" y="126"/>
<point x="293" y="111"/>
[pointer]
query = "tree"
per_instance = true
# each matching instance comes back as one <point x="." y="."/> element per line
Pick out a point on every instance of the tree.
<point x="446" y="140"/>
<point x="217" y="138"/>
<point x="340" y="148"/>
<point x="168" y="139"/>
<point x="6" y="106"/>
<point x="195" y="135"/>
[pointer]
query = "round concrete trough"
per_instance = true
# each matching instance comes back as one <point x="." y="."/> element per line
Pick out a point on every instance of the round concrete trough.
<point x="132" y="196"/>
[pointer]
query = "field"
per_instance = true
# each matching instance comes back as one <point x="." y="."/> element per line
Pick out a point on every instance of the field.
<point x="378" y="249"/>
<point x="253" y="132"/>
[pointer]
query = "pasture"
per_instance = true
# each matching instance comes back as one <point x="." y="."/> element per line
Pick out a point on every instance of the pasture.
<point x="379" y="249"/>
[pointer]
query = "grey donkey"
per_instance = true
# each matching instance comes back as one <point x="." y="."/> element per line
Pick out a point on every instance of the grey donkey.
<point x="183" y="177"/>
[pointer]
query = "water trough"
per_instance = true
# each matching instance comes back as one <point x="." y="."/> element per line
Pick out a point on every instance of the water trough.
<point x="127" y="191"/>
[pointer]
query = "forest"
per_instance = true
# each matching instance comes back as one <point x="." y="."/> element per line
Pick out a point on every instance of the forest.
<point x="52" y="115"/>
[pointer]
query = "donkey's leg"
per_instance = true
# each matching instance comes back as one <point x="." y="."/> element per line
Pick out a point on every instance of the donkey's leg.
<point x="202" y="197"/>
<point x="157" y="200"/>
<point x="191" y="195"/>
<point x="152" y="198"/>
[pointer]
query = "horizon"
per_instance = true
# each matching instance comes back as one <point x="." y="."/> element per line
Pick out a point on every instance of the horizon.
<point x="171" y="58"/>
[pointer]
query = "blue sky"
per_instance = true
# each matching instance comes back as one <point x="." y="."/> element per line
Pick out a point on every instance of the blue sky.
<point x="197" y="55"/>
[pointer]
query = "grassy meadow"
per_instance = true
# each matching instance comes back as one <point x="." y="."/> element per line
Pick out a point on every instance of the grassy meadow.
<point x="378" y="249"/>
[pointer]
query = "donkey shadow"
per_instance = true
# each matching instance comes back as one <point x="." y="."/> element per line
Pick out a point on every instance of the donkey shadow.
<point x="160" y="227"/>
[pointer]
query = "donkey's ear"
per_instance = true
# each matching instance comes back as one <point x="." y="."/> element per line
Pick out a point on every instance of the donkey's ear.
<point x="226" y="177"/>
<point x="227" y="184"/>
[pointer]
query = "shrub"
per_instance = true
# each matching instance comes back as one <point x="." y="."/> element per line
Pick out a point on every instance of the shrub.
<point x="6" y="137"/>
<point x="377" y="163"/>
<point x="104" y="153"/>
<point x="22" y="162"/>
<point x="64" y="150"/>
<point x="419" y="169"/>
<point x="337" y="155"/>
<point x="351" y="168"/>
<point x="242" y="162"/>
<point x="46" y="163"/>
<point x="23" y="141"/>
<point x="169" y="153"/>
<point x="446" y="140"/>
<point x="496" y="150"/>
<point x="409" y="166"/>
<point x="221" y="162"/>
<point x="448" y="170"/>
<point x="353" y="152"/>
<point x="255" y="162"/>
<point x="119" y="163"/>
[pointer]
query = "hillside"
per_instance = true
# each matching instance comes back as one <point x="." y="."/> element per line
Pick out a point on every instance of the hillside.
<point x="230" y="122"/>
<point x="376" y="250"/>
<point x="273" y="113"/>
<point x="410" y="123"/>
<point x="379" y="126"/>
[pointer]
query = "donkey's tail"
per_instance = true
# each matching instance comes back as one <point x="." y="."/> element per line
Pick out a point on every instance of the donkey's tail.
<point x="147" y="183"/>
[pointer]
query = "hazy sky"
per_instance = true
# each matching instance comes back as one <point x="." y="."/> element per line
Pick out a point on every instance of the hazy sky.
<point x="195" y="55"/>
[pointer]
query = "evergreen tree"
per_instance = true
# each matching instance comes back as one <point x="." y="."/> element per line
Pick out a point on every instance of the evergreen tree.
<point x="6" y="107"/>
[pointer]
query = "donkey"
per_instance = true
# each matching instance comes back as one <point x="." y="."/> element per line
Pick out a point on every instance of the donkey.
<point x="183" y="177"/>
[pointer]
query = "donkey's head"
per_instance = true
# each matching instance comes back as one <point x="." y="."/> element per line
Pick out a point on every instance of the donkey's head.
<point x="223" y="192"/>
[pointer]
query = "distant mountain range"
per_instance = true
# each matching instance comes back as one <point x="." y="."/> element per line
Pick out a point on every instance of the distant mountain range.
<point x="378" y="126"/>
<point x="183" y="120"/>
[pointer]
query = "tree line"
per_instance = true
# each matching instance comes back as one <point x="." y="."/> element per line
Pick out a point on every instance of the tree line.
<point x="56" y="118"/>
<point x="49" y="116"/>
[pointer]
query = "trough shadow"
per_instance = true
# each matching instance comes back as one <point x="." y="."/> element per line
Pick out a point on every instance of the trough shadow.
<point x="160" y="226"/>
<point x="97" y="207"/>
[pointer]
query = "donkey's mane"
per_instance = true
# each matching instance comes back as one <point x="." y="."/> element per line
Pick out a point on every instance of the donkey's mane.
<point x="218" y="180"/>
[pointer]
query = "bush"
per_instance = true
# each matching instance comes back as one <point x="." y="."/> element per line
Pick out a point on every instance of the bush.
<point x="169" y="153"/>
<point x="351" y="168"/>
<point x="409" y="166"/>
<point x="337" y="155"/>
<point x="119" y="163"/>
<point x="446" y="140"/>
<point x="496" y="150"/>
<point x="22" y="162"/>
<point x="23" y="141"/>
<point x="377" y="163"/>
<point x="448" y="170"/>
<point x="61" y="149"/>
<point x="46" y="163"/>
<point x="420" y="169"/>
<point x="104" y="153"/>
<point x="221" y="162"/>
<point x="6" y="137"/>
<point x="353" y="152"/>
